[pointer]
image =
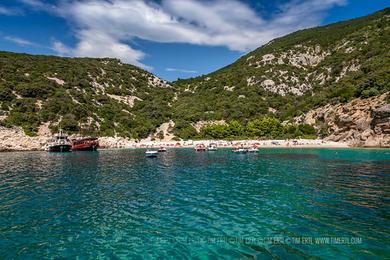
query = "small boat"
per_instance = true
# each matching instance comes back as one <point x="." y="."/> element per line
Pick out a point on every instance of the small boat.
<point x="59" y="143"/>
<point x="212" y="147"/>
<point x="240" y="150"/>
<point x="151" y="153"/>
<point x="162" y="149"/>
<point x="200" y="148"/>
<point x="85" y="144"/>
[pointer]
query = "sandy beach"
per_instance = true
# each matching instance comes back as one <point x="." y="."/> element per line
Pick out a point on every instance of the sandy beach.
<point x="14" y="139"/>
<point x="298" y="143"/>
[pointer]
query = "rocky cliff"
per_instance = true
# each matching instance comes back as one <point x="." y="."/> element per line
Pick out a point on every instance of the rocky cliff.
<point x="361" y="122"/>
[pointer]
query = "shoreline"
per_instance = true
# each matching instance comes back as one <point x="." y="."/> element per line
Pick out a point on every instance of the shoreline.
<point x="220" y="148"/>
<point x="299" y="143"/>
<point x="118" y="144"/>
<point x="15" y="140"/>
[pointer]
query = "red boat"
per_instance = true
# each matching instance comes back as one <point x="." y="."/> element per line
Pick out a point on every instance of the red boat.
<point x="85" y="144"/>
<point x="200" y="148"/>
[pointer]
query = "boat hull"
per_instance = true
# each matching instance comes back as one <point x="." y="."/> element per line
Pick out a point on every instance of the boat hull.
<point x="61" y="148"/>
<point x="86" y="144"/>
<point x="242" y="151"/>
<point x="151" y="153"/>
<point x="84" y="147"/>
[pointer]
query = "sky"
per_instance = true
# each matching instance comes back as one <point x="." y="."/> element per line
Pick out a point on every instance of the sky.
<point x="170" y="38"/>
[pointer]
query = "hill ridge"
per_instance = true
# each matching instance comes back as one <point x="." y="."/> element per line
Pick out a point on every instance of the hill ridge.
<point x="273" y="85"/>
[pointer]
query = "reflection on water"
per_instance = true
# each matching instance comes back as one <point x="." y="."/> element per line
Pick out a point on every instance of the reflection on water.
<point x="184" y="204"/>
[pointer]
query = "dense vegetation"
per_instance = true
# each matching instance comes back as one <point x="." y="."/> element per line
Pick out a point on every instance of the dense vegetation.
<point x="273" y="84"/>
<point x="354" y="61"/>
<point x="30" y="94"/>
<point x="263" y="128"/>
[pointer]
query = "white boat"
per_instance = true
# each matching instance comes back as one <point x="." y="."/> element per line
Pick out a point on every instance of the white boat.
<point x="253" y="150"/>
<point x="151" y="153"/>
<point x="59" y="143"/>
<point x="240" y="150"/>
<point x="212" y="147"/>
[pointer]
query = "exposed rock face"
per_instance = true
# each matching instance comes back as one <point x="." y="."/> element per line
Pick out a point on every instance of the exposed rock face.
<point x="381" y="115"/>
<point x="14" y="139"/>
<point x="129" y="100"/>
<point x="154" y="81"/>
<point x="116" y="142"/>
<point x="200" y="124"/>
<point x="297" y="70"/>
<point x="57" y="80"/>
<point x="361" y="122"/>
<point x="166" y="130"/>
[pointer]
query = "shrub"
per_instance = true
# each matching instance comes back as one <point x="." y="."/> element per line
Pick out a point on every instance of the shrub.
<point x="268" y="127"/>
<point x="69" y="123"/>
<point x="6" y="94"/>
<point x="31" y="90"/>
<point x="307" y="129"/>
<point x="370" y="92"/>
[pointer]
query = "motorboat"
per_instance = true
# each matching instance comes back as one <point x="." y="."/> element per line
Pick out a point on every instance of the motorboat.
<point x="200" y="148"/>
<point x="240" y="150"/>
<point x="59" y="143"/>
<point x="212" y="147"/>
<point x="151" y="153"/>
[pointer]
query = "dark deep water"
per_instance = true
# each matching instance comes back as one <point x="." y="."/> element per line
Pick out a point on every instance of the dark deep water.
<point x="280" y="203"/>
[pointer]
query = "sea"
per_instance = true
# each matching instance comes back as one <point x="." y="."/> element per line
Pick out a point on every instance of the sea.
<point x="118" y="204"/>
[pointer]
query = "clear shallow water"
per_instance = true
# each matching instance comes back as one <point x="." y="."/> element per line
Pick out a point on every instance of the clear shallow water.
<point x="119" y="204"/>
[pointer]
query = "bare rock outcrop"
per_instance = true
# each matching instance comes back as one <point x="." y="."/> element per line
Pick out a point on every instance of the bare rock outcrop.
<point x="201" y="124"/>
<point x="116" y="142"/>
<point x="361" y="122"/>
<point x="14" y="139"/>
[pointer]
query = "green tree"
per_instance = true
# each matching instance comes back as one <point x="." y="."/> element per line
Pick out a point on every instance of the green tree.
<point x="69" y="123"/>
<point x="269" y="127"/>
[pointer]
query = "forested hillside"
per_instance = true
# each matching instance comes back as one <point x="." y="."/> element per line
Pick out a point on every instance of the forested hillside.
<point x="101" y="97"/>
<point x="292" y="75"/>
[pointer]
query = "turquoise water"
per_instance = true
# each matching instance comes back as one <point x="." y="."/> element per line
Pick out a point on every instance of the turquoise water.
<point x="281" y="203"/>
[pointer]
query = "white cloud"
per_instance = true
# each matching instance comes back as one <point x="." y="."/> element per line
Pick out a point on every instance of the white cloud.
<point x="34" y="3"/>
<point x="61" y="48"/>
<point x="107" y="28"/>
<point x="180" y="70"/>
<point x="100" y="45"/>
<point x="8" y="11"/>
<point x="19" y="41"/>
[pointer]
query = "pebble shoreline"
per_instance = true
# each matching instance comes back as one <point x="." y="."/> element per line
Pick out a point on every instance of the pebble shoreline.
<point x="14" y="139"/>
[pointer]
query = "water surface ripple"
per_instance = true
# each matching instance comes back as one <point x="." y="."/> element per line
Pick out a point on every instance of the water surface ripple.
<point x="188" y="205"/>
